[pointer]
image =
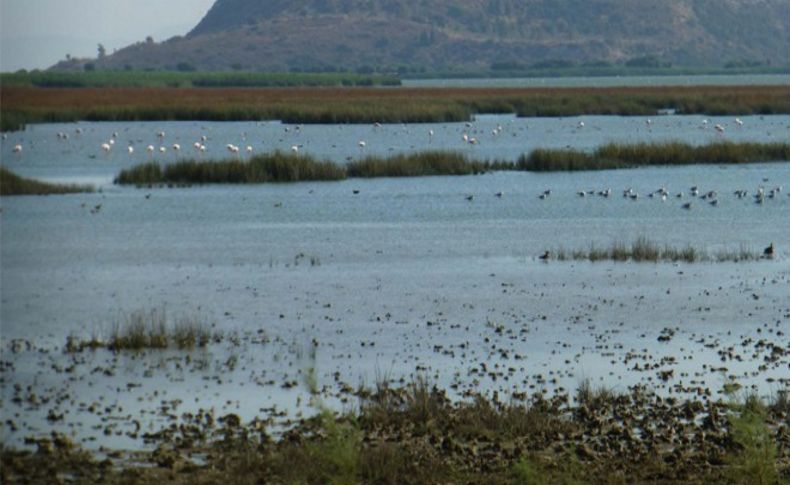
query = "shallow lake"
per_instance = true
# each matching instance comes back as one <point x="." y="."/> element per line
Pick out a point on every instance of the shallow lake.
<point x="406" y="277"/>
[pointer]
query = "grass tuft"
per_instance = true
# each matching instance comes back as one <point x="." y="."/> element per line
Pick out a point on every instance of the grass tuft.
<point x="152" y="329"/>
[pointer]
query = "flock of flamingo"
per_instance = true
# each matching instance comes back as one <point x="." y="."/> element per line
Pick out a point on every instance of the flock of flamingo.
<point x="200" y="145"/>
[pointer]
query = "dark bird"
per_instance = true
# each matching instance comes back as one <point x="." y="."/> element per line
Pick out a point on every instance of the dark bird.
<point x="769" y="251"/>
<point x="470" y="197"/>
<point x="545" y="256"/>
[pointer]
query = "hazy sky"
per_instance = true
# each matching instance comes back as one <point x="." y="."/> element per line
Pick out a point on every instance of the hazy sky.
<point x="38" y="33"/>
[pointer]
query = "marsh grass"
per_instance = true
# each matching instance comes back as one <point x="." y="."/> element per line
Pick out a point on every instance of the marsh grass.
<point x="419" y="164"/>
<point x="616" y="155"/>
<point x="140" y="79"/>
<point x="279" y="167"/>
<point x="13" y="184"/>
<point x="482" y="440"/>
<point x="644" y="250"/>
<point x="152" y="329"/>
<point x="276" y="167"/>
<point x="595" y="397"/>
<point x="23" y="104"/>
<point x="755" y="454"/>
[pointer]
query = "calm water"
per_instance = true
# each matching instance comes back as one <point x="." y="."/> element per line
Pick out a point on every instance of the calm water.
<point x="406" y="277"/>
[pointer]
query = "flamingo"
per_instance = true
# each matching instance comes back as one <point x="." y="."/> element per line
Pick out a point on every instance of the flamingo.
<point x="295" y="148"/>
<point x="362" y="144"/>
<point x="176" y="147"/>
<point x="17" y="148"/>
<point x="130" y="149"/>
<point x="106" y="147"/>
<point x="249" y="149"/>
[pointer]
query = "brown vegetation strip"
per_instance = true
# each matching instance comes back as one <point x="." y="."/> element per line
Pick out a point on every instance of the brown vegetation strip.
<point x="357" y="105"/>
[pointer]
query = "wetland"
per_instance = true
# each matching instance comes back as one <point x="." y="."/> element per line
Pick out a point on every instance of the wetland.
<point x="406" y="321"/>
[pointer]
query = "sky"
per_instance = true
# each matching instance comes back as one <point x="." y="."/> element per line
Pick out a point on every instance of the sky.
<point x="35" y="34"/>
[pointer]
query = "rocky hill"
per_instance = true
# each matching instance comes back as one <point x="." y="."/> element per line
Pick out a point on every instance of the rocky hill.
<point x="469" y="35"/>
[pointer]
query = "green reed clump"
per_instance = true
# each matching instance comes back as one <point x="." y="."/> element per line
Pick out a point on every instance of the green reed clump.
<point x="152" y="330"/>
<point x="616" y="155"/>
<point x="644" y="250"/>
<point x="13" y="184"/>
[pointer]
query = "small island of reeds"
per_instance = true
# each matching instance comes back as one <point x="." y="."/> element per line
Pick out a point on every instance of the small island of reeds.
<point x="295" y="167"/>
<point x="13" y="184"/>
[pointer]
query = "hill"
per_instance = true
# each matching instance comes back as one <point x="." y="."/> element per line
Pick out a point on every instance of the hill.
<point x="469" y="35"/>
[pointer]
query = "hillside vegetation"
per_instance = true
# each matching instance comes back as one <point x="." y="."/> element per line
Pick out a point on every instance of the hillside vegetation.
<point x="468" y="35"/>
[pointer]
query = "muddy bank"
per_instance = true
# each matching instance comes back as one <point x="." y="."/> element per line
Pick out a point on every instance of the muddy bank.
<point x="416" y="434"/>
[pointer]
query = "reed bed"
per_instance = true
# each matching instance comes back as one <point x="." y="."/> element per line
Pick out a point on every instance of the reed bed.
<point x="13" y="184"/>
<point x="24" y="104"/>
<point x="419" y="164"/>
<point x="279" y="167"/>
<point x="293" y="167"/>
<point x="274" y="167"/>
<point x="644" y="250"/>
<point x="615" y="155"/>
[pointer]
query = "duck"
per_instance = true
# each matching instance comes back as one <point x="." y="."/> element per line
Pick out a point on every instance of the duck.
<point x="769" y="251"/>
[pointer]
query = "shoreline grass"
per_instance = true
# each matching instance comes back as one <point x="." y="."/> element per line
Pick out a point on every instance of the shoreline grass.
<point x="23" y="105"/>
<point x="13" y="184"/>
<point x="617" y="155"/>
<point x="643" y="250"/>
